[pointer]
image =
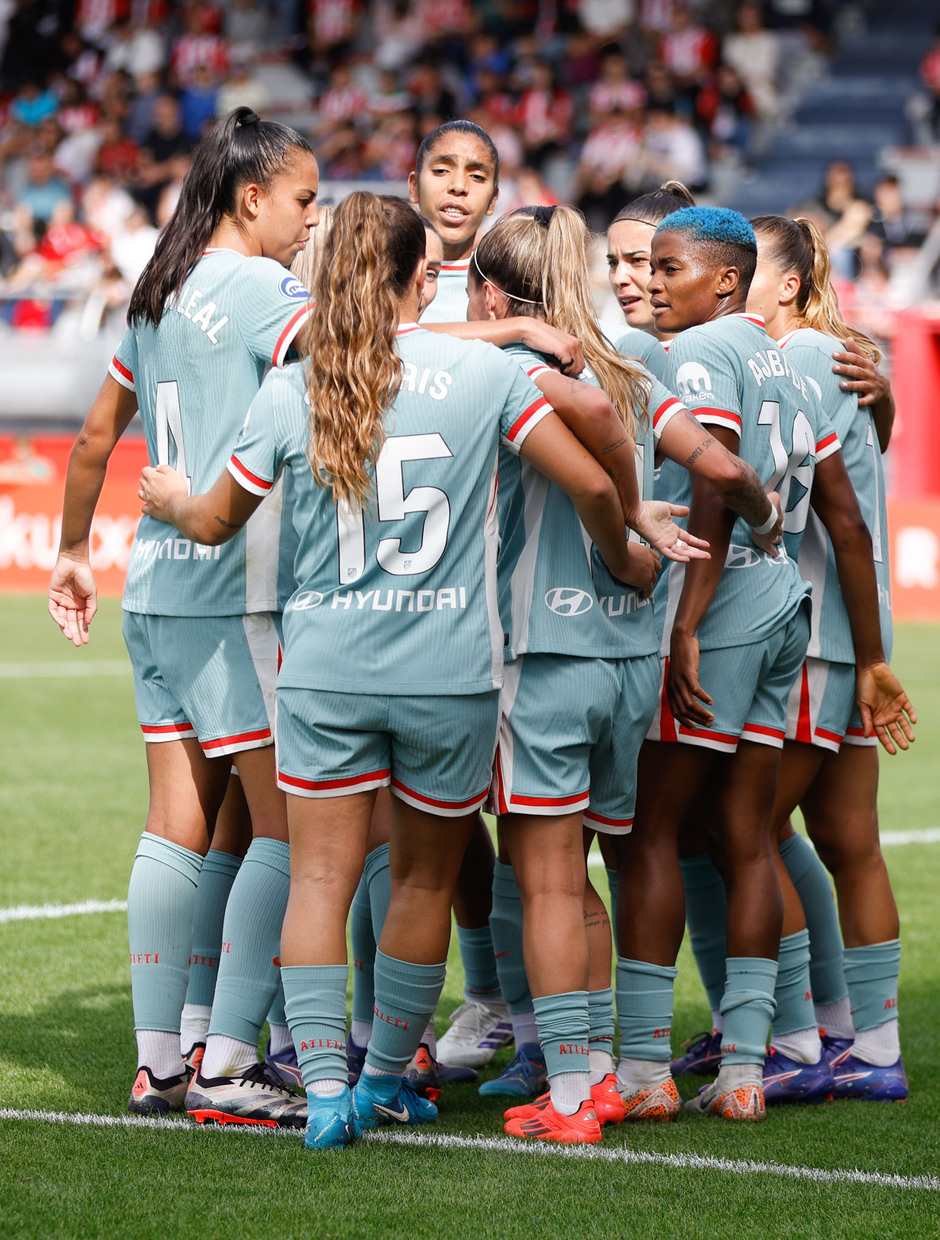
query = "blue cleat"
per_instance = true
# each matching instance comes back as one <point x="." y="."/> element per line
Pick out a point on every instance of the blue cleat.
<point x="331" y="1124"/>
<point x="523" y="1077"/>
<point x="702" y="1056"/>
<point x="790" y="1080"/>
<point x="854" y="1078"/>
<point x="833" y="1046"/>
<point x="380" y="1100"/>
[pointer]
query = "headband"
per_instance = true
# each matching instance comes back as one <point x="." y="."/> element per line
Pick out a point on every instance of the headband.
<point x="529" y="301"/>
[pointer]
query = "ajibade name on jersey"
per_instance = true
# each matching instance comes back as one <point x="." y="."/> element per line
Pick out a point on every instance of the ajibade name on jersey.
<point x="401" y="597"/>
<point x="194" y="377"/>
<point x="731" y="374"/>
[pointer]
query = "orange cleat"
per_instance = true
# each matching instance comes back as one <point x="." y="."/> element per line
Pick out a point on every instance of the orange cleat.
<point x="745" y="1103"/>
<point x="659" y="1104"/>
<point x="547" y="1124"/>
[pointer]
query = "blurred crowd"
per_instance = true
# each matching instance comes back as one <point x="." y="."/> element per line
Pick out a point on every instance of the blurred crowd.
<point x="588" y="101"/>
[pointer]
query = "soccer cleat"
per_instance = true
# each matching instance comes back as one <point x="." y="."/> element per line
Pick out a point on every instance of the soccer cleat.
<point x="854" y="1078"/>
<point x="422" y="1074"/>
<point x="389" y="1100"/>
<point x="547" y="1124"/>
<point x="789" y="1080"/>
<point x="331" y="1124"/>
<point x="523" y="1077"/>
<point x="355" y="1058"/>
<point x="284" y="1066"/>
<point x="658" y="1105"/>
<point x="193" y="1058"/>
<point x="151" y="1095"/>
<point x="608" y="1104"/>
<point x="477" y="1031"/>
<point x="454" y="1074"/>
<point x="744" y="1103"/>
<point x="702" y="1058"/>
<point x="833" y="1046"/>
<point x="255" y="1096"/>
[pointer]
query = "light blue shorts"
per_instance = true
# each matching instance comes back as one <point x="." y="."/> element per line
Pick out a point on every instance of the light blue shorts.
<point x="570" y="732"/>
<point x="821" y="705"/>
<point x="749" y="686"/>
<point x="210" y="678"/>
<point x="436" y="752"/>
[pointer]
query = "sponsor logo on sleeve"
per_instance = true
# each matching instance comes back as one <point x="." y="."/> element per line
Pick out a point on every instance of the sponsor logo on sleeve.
<point x="694" y="383"/>
<point x="294" y="289"/>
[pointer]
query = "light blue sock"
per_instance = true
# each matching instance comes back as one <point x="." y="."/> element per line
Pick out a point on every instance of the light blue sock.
<point x="506" y="928"/>
<point x="872" y="974"/>
<point x="248" y="974"/>
<point x="613" y="886"/>
<point x="161" y="897"/>
<point x="363" y="953"/>
<point x="811" y="880"/>
<point x="793" y="994"/>
<point x="563" y="1025"/>
<point x="215" y="882"/>
<point x="601" y="1032"/>
<point x="706" y="915"/>
<point x="644" y="1009"/>
<point x="378" y="879"/>
<point x="479" y="964"/>
<point x="276" y="1013"/>
<point x="315" y="1003"/>
<point x="747" y="1008"/>
<point x="406" y="995"/>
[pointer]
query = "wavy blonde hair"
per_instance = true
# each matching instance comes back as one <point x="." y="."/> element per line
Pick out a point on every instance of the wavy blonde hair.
<point x="800" y="247"/>
<point x="307" y="263"/>
<point x="539" y="261"/>
<point x="369" y="258"/>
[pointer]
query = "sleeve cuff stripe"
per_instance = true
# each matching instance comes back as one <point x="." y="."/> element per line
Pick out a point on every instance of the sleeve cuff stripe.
<point x="294" y="324"/>
<point x="251" y="482"/>
<point x="121" y="374"/>
<point x="523" y="425"/>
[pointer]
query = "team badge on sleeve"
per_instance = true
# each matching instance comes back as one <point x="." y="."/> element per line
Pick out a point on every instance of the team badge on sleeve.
<point x="294" y="289"/>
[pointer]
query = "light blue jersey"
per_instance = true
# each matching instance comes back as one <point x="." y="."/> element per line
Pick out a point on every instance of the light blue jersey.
<point x="639" y="345"/>
<point x="731" y="374"/>
<point x="451" y="300"/>
<point x="556" y="594"/>
<point x="194" y="377"/>
<point x="831" y="638"/>
<point x="400" y="598"/>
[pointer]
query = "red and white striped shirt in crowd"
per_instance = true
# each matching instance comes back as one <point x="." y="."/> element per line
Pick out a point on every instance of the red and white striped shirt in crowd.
<point x="545" y="116"/>
<point x="196" y="51"/>
<point x="687" y="52"/>
<point x="334" y="21"/>
<point x="606" y="96"/>
<point x="612" y="148"/>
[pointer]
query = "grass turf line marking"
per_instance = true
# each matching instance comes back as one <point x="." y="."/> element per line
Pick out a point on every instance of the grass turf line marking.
<point x="37" y="912"/>
<point x="38" y="671"/>
<point x="505" y="1145"/>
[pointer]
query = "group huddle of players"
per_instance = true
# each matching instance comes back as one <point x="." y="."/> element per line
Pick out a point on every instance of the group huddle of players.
<point x="411" y="533"/>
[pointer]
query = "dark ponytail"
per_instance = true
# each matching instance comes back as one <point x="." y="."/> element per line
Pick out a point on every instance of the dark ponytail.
<point x="239" y="150"/>
<point x="653" y="207"/>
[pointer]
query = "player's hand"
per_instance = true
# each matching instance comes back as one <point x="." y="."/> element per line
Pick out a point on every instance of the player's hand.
<point x="860" y="374"/>
<point x="543" y="338"/>
<point x="884" y="707"/>
<point x="687" y="699"/>
<point x="73" y="598"/>
<point x="653" y="521"/>
<point x="160" y="489"/>
<point x="642" y="570"/>
<point x="770" y="541"/>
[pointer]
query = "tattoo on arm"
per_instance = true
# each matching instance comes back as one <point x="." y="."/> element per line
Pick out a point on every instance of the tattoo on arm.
<point x="612" y="447"/>
<point x="749" y="500"/>
<point x="228" y="524"/>
<point x="703" y="447"/>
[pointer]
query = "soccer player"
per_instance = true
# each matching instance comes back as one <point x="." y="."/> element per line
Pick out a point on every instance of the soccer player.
<point x="384" y="602"/>
<point x="735" y="635"/>
<point x="213" y="307"/>
<point x="829" y="767"/>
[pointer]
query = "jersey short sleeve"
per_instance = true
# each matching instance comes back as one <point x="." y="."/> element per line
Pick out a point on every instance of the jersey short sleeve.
<point x="524" y="408"/>
<point x="273" y="306"/>
<point x="123" y="365"/>
<point x="663" y="407"/>
<point x="703" y="374"/>
<point x="256" y="458"/>
<point x="636" y="345"/>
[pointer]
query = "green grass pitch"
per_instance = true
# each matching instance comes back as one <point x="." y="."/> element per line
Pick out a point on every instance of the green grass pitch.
<point x="72" y="803"/>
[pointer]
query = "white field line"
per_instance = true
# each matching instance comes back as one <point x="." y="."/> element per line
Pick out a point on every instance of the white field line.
<point x="496" y="1145"/>
<point x="39" y="912"/>
<point x="93" y="667"/>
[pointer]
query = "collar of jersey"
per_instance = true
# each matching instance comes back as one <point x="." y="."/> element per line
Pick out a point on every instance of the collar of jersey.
<point x="221" y="249"/>
<point x="461" y="265"/>
<point x="405" y="328"/>
<point x="756" y="319"/>
<point x="788" y="337"/>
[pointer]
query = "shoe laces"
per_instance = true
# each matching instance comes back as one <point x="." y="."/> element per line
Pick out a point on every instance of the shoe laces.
<point x="260" y="1075"/>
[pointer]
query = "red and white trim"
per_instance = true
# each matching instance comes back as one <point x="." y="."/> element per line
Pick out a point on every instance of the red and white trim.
<point x="665" y="413"/>
<point x="286" y="338"/>
<point x="720" y="417"/>
<point x="665" y="727"/>
<point x="608" y="826"/>
<point x="406" y="329"/>
<point x="856" y="736"/>
<point x="432" y="805"/>
<point x="245" y="478"/>
<point x="319" y="788"/>
<point x="527" y="422"/>
<point x="760" y="734"/>
<point x="236" y="744"/>
<point x="120" y="374"/>
<point x="154" y="733"/>
<point x="538" y="368"/>
<point x="827" y="446"/>
<point x="756" y="319"/>
<point x="459" y="268"/>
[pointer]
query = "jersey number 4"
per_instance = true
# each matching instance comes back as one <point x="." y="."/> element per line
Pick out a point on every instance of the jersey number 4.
<point x="170" y="428"/>
<point x="393" y="504"/>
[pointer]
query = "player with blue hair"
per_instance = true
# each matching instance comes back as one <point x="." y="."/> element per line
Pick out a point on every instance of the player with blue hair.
<point x="736" y="627"/>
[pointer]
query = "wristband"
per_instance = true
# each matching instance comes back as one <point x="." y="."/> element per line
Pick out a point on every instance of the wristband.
<point x="769" y="524"/>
